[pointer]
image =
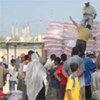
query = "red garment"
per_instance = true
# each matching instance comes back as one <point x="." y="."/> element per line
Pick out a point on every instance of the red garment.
<point x="1" y="95"/>
<point x="59" y="72"/>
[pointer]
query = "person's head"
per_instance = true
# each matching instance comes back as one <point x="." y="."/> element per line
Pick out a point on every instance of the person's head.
<point x="88" y="26"/>
<point x="57" y="61"/>
<point x="93" y="55"/>
<point x="90" y="54"/>
<point x="74" y="67"/>
<point x="30" y="52"/>
<point x="75" y="51"/>
<point x="13" y="62"/>
<point x="63" y="57"/>
<point x="82" y="55"/>
<point x="52" y="57"/>
<point x="3" y="57"/>
<point x="87" y="3"/>
<point x="22" y="55"/>
<point x="35" y="57"/>
<point x="26" y="59"/>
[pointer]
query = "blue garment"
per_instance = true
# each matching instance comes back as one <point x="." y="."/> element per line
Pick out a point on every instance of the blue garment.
<point x="12" y="85"/>
<point x="89" y="69"/>
<point x="54" y="82"/>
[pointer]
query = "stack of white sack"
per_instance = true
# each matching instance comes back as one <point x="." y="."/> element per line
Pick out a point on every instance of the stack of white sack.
<point x="53" y="39"/>
<point x="96" y="28"/>
<point x="98" y="41"/>
<point x="91" y="45"/>
<point x="62" y="37"/>
<point x="70" y="36"/>
<point x="96" y="33"/>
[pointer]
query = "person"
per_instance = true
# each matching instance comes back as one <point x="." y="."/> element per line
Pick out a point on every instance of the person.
<point x="21" y="75"/>
<point x="12" y="73"/>
<point x="73" y="84"/>
<point x="62" y="78"/>
<point x="24" y="70"/>
<point x="83" y="36"/>
<point x="30" y="52"/>
<point x="3" y="59"/>
<point x="35" y="79"/>
<point x="55" y="83"/>
<point x="26" y="61"/>
<point x="90" y="67"/>
<point x="3" y="73"/>
<point x="48" y="66"/>
<point x="50" y="62"/>
<point x="4" y="63"/>
<point x="89" y="14"/>
<point x="76" y="59"/>
<point x="96" y="81"/>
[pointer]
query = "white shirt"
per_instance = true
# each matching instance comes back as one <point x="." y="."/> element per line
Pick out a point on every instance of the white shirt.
<point x="12" y="72"/>
<point x="90" y="10"/>
<point x="49" y="64"/>
<point x="24" y="68"/>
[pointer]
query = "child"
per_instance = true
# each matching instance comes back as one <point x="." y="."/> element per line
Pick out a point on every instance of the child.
<point x="12" y="72"/>
<point x="60" y="76"/>
<point x="55" y="84"/>
<point x="73" y="85"/>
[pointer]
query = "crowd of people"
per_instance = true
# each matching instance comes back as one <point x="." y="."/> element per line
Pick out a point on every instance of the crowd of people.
<point x="26" y="72"/>
<point x="60" y="78"/>
<point x="74" y="78"/>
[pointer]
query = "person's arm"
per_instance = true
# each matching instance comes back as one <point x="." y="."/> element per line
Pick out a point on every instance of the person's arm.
<point x="64" y="73"/>
<point x="80" y="72"/>
<point x="5" y="72"/>
<point x="81" y="68"/>
<point x="69" y="95"/>
<point x="73" y="21"/>
<point x="57" y="77"/>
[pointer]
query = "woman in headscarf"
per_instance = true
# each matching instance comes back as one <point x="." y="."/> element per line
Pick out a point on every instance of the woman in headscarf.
<point x="35" y="79"/>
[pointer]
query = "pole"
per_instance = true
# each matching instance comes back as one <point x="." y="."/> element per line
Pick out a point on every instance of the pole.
<point x="15" y="50"/>
<point x="7" y="47"/>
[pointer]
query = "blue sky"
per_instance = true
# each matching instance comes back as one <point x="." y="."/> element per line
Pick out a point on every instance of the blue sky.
<point x="38" y="13"/>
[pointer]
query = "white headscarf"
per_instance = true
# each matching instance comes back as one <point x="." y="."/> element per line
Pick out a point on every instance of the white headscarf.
<point x="35" y="76"/>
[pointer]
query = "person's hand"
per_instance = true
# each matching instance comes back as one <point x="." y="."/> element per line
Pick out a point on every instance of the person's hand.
<point x="70" y="17"/>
